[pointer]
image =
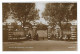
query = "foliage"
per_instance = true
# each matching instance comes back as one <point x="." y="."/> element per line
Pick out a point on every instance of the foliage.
<point x="60" y="11"/>
<point x="22" y="11"/>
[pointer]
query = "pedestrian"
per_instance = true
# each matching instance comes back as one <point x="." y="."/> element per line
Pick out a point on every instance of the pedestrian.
<point x="37" y="36"/>
<point x="68" y="37"/>
<point x="43" y="38"/>
<point x="29" y="36"/>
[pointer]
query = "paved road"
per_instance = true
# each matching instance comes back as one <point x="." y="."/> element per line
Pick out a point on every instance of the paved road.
<point x="46" y="45"/>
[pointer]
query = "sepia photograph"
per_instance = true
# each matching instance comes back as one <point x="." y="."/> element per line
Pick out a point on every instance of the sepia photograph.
<point x="39" y="26"/>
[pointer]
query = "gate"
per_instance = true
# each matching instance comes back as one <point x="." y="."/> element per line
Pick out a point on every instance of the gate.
<point x="42" y="34"/>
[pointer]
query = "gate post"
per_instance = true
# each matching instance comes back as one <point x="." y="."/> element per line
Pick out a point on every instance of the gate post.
<point x="26" y="29"/>
<point x="57" y="30"/>
<point x="49" y="32"/>
<point x="34" y="32"/>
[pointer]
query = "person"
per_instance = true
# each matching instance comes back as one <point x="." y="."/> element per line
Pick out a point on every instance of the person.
<point x="69" y="36"/>
<point x="43" y="37"/>
<point x="37" y="36"/>
<point x="29" y="36"/>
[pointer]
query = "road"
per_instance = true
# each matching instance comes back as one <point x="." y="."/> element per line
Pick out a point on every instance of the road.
<point x="42" y="45"/>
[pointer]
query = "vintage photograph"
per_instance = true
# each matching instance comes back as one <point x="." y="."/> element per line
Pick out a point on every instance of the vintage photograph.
<point x="39" y="26"/>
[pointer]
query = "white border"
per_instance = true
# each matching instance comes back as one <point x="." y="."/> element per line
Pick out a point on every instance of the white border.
<point x="40" y="52"/>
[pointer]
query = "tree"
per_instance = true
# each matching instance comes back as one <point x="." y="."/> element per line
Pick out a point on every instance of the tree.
<point x="21" y="11"/>
<point x="6" y="9"/>
<point x="59" y="12"/>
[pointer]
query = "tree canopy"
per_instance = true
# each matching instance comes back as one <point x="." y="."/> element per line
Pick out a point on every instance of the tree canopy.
<point x="21" y="11"/>
<point x="61" y="11"/>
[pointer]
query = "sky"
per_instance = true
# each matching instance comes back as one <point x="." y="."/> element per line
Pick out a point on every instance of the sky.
<point x="41" y="8"/>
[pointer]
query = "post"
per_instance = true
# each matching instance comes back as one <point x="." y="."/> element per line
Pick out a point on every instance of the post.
<point x="49" y="34"/>
<point x="34" y="32"/>
<point x="58" y="31"/>
<point x="26" y="29"/>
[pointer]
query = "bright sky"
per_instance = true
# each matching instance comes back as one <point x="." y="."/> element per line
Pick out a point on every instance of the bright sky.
<point x="43" y="21"/>
<point x="11" y="20"/>
<point x="41" y="7"/>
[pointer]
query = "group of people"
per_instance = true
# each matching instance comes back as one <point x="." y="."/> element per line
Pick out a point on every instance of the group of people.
<point x="64" y="37"/>
<point x="28" y="36"/>
<point x="35" y="37"/>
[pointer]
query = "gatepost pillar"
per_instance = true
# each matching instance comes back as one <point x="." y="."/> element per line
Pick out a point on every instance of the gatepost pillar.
<point x="26" y="29"/>
<point x="34" y="32"/>
<point x="49" y="34"/>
